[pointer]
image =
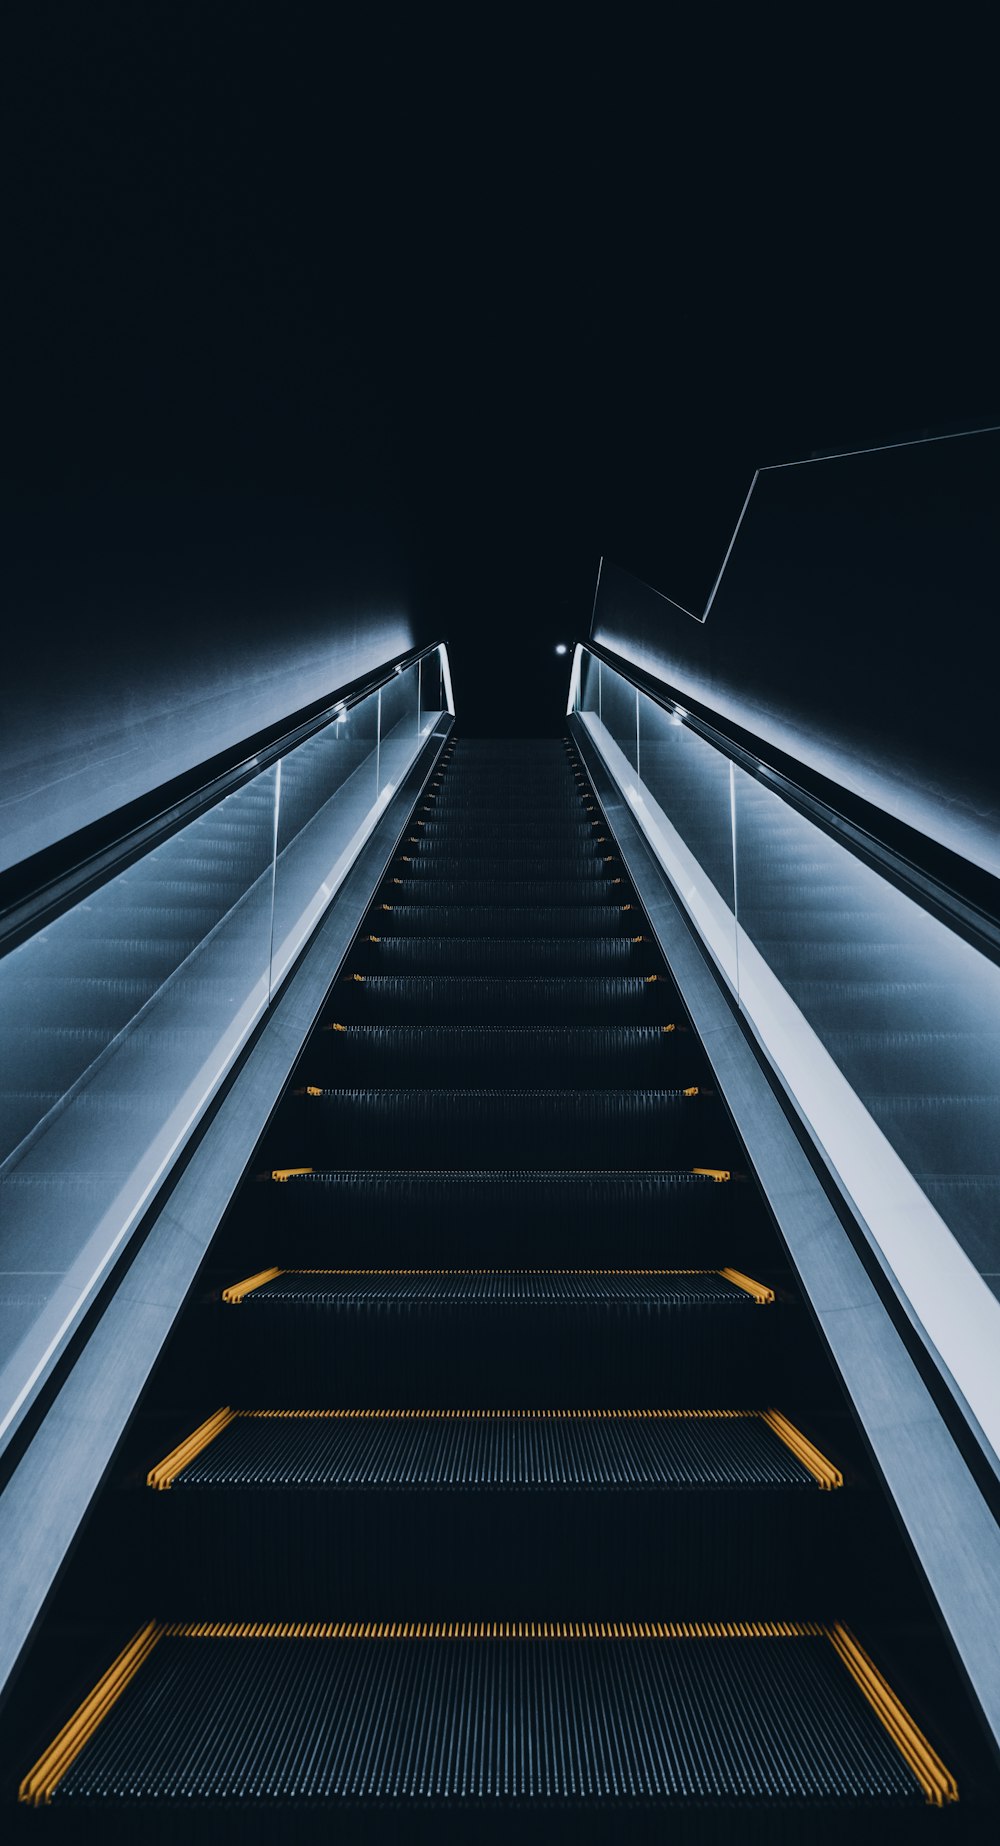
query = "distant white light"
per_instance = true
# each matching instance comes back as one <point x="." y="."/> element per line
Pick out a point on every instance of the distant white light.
<point x="561" y="648"/>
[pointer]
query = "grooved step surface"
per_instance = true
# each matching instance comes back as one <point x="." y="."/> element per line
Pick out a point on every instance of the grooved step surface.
<point x="641" y="1127"/>
<point x="414" y="1451"/>
<point x="593" y="1720"/>
<point x="441" y="920"/>
<point x="492" y="889"/>
<point x="544" y="1288"/>
<point x="591" y="1055"/>
<point x="491" y="953"/>
<point x="429" y="999"/>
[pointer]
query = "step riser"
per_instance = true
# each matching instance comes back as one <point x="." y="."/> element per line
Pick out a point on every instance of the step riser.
<point x="503" y="1129"/>
<point x="429" y="1000"/>
<point x="581" y="868"/>
<point x="524" y="920"/>
<point x="494" y="955"/>
<point x="287" y="1555"/>
<point x="500" y="1221"/>
<point x="669" y="1059"/>
<point x="566" y="893"/>
<point x="437" y="1356"/>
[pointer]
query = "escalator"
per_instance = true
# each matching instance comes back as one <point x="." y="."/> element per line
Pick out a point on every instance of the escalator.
<point x="495" y="1481"/>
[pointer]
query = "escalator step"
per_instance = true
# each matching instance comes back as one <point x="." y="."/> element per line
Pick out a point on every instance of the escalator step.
<point x="584" y="867"/>
<point x="496" y="953"/>
<point x="539" y="1287"/>
<point x="324" y="1337"/>
<point x="504" y="920"/>
<point x="510" y="806"/>
<point x="523" y="1128"/>
<point x="477" y="1055"/>
<point x="475" y="829"/>
<point x="385" y="999"/>
<point x="578" y="1712"/>
<point x="504" y="1219"/>
<point x="493" y="890"/>
<point x="420" y="1449"/>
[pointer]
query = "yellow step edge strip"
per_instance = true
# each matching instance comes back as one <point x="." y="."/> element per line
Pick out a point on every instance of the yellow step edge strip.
<point x="495" y="1272"/>
<point x="174" y="1464"/>
<point x="761" y="1294"/>
<point x="491" y="1416"/>
<point x="290" y="1172"/>
<point x="502" y="1630"/>
<point x="239" y="1289"/>
<point x="719" y="1173"/>
<point x="822" y="1470"/>
<point x="40" y="1782"/>
<point x="937" y="1782"/>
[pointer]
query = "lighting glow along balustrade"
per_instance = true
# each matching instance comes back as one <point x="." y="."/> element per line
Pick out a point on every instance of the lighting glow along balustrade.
<point x="120" y="1018"/>
<point x="881" y="1021"/>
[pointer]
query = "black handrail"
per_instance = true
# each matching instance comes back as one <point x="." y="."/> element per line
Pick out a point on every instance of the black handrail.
<point x="963" y="896"/>
<point x="41" y="887"/>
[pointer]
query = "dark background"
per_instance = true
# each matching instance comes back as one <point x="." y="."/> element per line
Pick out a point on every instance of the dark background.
<point x="310" y="319"/>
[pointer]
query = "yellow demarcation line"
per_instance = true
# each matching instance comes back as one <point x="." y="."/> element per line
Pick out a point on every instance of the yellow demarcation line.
<point x="499" y="1272"/>
<point x="719" y="1173"/>
<point x="289" y="1172"/>
<point x="492" y="1416"/>
<point x="174" y="1464"/>
<point x="500" y="1631"/>
<point x="240" y="1289"/>
<point x="937" y="1782"/>
<point x="40" y="1782"/>
<point x="760" y="1293"/>
<point x="822" y="1470"/>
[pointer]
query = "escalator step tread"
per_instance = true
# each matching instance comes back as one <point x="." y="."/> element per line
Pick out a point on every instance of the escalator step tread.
<point x="486" y="953"/>
<point x="583" y="1055"/>
<point x="443" y="920"/>
<point x="583" y="867"/>
<point x="504" y="892"/>
<point x="579" y="1716"/>
<point x="476" y="1183"/>
<point x="415" y="1450"/>
<point x="543" y="1288"/>
<point x="483" y="999"/>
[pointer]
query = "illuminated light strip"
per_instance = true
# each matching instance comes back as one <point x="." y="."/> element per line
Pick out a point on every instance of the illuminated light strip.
<point x="760" y="1293"/>
<point x="240" y="1289"/>
<point x="937" y="1782"/>
<point x="804" y="1451"/>
<point x="40" y="1782"/>
<point x="174" y="1464"/>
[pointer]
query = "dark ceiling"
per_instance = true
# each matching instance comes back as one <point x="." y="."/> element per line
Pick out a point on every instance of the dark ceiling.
<point x="530" y="298"/>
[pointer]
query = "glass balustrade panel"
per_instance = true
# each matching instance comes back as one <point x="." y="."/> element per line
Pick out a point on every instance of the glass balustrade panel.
<point x="118" y="1020"/>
